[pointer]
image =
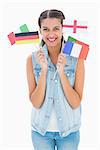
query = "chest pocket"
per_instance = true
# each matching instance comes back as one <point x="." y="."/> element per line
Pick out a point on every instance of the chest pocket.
<point x="37" y="71"/>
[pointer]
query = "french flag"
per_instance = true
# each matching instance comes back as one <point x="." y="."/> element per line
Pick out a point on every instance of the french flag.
<point x="76" y="48"/>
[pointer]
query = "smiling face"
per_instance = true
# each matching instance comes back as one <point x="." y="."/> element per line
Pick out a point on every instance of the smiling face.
<point x="51" y="31"/>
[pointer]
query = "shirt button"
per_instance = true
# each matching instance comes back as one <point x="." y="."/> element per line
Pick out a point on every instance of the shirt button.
<point x="63" y="134"/>
<point x="55" y="81"/>
<point x="51" y="98"/>
<point x="60" y="119"/>
<point x="68" y="74"/>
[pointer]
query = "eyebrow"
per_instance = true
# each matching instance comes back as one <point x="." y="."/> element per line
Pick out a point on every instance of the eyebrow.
<point x="53" y="27"/>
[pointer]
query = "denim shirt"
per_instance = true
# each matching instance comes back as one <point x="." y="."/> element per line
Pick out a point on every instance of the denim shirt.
<point x="68" y="119"/>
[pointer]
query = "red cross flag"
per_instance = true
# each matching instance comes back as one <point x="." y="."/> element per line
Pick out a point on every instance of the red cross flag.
<point x="75" y="26"/>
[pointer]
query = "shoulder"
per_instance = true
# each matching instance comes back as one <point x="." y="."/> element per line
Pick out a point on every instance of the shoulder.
<point x="29" y="61"/>
<point x="29" y="58"/>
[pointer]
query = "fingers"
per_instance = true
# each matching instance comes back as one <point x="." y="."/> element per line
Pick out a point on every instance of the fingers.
<point x="40" y="55"/>
<point x="62" y="55"/>
<point x="61" y="58"/>
<point x="58" y="64"/>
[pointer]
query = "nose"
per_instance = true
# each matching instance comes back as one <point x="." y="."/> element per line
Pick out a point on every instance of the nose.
<point x="51" y="35"/>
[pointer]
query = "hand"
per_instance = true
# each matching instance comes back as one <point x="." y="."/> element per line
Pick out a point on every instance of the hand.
<point x="42" y="60"/>
<point x="61" y="62"/>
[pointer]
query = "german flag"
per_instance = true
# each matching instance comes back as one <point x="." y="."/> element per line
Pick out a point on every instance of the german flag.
<point x="27" y="37"/>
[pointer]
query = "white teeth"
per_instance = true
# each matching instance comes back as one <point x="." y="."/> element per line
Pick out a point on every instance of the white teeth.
<point x="51" y="40"/>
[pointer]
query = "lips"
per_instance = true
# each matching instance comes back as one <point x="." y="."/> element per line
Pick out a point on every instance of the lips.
<point x="51" y="39"/>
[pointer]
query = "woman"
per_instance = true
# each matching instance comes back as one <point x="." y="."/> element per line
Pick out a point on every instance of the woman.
<point x="56" y="97"/>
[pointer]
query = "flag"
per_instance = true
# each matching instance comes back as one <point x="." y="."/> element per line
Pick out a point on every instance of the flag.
<point x="75" y="26"/>
<point x="24" y="28"/>
<point x="27" y="37"/>
<point x="11" y="38"/>
<point x="76" y="48"/>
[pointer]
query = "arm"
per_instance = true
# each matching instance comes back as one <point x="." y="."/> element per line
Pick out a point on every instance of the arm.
<point x="73" y="95"/>
<point x="36" y="92"/>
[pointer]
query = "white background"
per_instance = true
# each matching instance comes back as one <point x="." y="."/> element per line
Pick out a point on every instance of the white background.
<point x="15" y="108"/>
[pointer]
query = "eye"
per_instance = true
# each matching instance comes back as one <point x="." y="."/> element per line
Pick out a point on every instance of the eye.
<point x="56" y="29"/>
<point x="45" y="29"/>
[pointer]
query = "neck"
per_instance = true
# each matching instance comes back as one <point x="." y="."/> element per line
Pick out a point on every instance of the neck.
<point x="54" y="51"/>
